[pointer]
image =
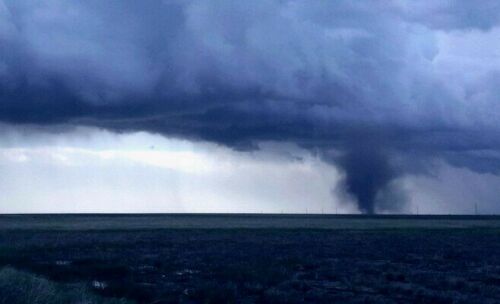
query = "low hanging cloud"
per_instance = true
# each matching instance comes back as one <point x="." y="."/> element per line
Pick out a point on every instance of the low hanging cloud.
<point x="89" y="170"/>
<point x="381" y="89"/>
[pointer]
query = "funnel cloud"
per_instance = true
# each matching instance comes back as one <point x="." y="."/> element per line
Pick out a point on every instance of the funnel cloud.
<point x="367" y="172"/>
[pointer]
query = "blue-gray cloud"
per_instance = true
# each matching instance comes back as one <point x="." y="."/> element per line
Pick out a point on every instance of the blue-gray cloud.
<point x="377" y="88"/>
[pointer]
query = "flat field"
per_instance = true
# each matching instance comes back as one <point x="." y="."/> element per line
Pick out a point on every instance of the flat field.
<point x="215" y="258"/>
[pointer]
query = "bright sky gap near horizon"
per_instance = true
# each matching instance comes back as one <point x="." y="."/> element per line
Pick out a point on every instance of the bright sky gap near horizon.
<point x="250" y="106"/>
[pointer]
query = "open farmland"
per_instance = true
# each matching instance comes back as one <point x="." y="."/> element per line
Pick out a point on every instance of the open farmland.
<point x="261" y="258"/>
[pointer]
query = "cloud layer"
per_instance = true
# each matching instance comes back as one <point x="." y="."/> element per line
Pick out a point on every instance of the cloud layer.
<point x="89" y="170"/>
<point x="381" y="89"/>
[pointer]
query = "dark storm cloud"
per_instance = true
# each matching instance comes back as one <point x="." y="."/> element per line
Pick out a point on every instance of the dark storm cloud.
<point x="452" y="14"/>
<point x="364" y="85"/>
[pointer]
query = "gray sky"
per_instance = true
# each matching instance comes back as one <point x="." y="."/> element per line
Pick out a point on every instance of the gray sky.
<point x="249" y="106"/>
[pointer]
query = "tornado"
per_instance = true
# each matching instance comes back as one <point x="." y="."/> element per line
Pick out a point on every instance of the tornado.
<point x="368" y="171"/>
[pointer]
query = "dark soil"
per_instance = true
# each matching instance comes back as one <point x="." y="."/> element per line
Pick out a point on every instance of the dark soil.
<point x="267" y="266"/>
